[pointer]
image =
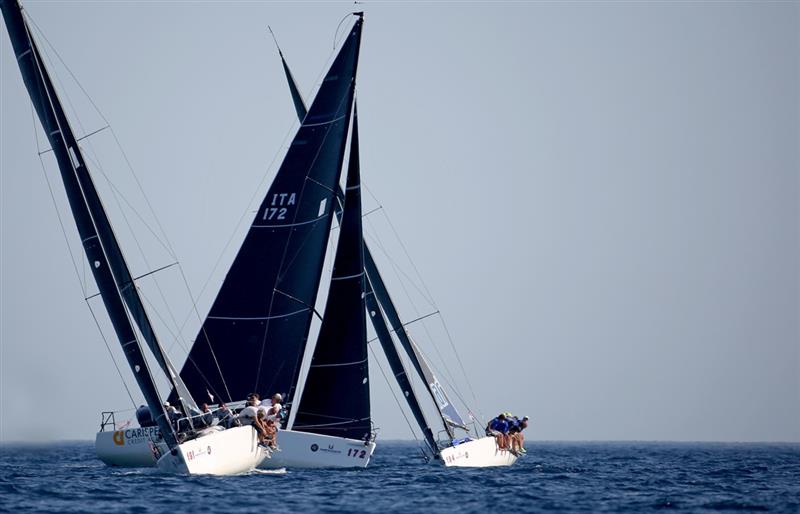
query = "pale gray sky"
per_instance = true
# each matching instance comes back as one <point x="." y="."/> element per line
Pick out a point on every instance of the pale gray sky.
<point x="601" y="197"/>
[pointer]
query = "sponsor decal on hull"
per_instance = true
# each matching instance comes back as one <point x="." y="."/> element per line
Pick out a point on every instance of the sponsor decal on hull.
<point x="135" y="436"/>
<point x="330" y="449"/>
<point x="193" y="454"/>
<point x="453" y="458"/>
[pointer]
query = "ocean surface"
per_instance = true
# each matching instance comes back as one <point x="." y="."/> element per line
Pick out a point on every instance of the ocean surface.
<point x="562" y="477"/>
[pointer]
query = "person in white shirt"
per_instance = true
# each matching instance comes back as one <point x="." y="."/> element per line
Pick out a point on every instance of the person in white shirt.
<point x="265" y="406"/>
<point x="250" y="413"/>
<point x="275" y="411"/>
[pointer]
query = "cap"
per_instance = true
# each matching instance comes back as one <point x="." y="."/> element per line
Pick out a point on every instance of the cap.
<point x="525" y="418"/>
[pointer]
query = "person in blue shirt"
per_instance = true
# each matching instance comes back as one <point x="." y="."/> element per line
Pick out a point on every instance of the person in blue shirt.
<point x="498" y="427"/>
<point x="515" y="428"/>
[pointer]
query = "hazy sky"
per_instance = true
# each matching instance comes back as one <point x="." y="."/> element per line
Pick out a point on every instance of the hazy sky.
<point x="601" y="197"/>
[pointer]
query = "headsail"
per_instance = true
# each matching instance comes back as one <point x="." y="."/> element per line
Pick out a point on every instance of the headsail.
<point x="335" y="399"/>
<point x="99" y="242"/>
<point x="256" y="331"/>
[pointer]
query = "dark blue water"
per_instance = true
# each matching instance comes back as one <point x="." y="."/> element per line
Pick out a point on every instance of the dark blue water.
<point x="565" y="477"/>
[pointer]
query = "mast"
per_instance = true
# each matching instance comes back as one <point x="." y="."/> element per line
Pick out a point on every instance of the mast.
<point x="98" y="239"/>
<point x="256" y="331"/>
<point x="373" y="304"/>
<point x="335" y="398"/>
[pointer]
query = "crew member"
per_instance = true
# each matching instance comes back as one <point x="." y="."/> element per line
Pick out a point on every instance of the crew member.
<point x="498" y="427"/>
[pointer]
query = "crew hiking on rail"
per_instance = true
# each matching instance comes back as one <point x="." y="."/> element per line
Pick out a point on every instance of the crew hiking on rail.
<point x="507" y="430"/>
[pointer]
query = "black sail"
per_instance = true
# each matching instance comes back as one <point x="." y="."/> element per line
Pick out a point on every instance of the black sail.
<point x="373" y="303"/>
<point x="94" y="228"/>
<point x="335" y="399"/>
<point x="256" y="332"/>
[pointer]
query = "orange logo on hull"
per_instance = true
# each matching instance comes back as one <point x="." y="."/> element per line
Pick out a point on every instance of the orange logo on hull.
<point x="119" y="438"/>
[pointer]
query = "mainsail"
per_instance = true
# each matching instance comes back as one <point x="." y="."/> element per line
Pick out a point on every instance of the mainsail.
<point x="256" y="332"/>
<point x="108" y="266"/>
<point x="335" y="399"/>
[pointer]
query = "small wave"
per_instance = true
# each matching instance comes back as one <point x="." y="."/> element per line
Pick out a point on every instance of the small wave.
<point x="129" y="472"/>
<point x="279" y="471"/>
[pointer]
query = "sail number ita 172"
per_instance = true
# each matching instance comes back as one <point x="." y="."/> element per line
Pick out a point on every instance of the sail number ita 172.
<point x="278" y="206"/>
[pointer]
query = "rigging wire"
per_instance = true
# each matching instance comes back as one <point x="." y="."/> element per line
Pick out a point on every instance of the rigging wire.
<point x="165" y="243"/>
<point x="50" y="100"/>
<point x="403" y="283"/>
<point x="128" y="314"/>
<point x="108" y="347"/>
<point x="336" y="33"/>
<point x="74" y="263"/>
<point x="144" y="258"/>
<point x="55" y="206"/>
<point x="399" y="405"/>
<point x="398" y="271"/>
<point x="430" y="299"/>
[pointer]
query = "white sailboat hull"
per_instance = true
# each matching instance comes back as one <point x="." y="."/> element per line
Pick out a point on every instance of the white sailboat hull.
<point x="479" y="453"/>
<point x="306" y="450"/>
<point x="131" y="448"/>
<point x="227" y="452"/>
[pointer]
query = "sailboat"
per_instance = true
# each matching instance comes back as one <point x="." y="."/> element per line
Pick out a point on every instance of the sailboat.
<point x="189" y="449"/>
<point x="266" y="303"/>
<point x="454" y="451"/>
<point x="255" y="334"/>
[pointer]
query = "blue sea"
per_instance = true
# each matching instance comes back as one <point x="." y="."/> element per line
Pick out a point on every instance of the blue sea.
<point x="562" y="477"/>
